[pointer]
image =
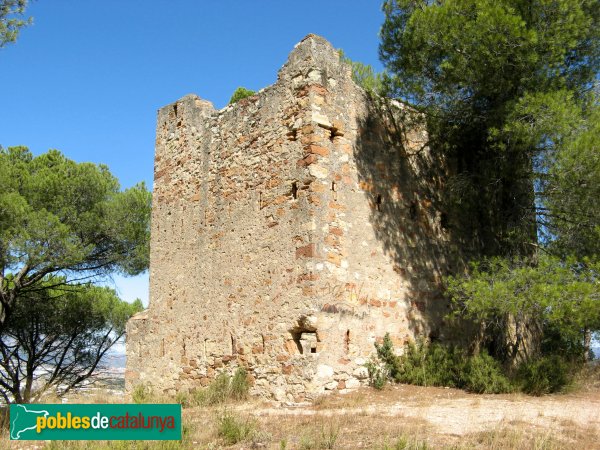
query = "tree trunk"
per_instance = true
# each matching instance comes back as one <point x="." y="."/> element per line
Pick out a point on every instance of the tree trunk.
<point x="587" y="343"/>
<point x="520" y="339"/>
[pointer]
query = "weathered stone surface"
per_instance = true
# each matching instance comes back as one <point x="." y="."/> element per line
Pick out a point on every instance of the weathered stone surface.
<point x="290" y="232"/>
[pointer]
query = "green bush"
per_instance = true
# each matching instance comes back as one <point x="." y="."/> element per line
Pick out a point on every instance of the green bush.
<point x="218" y="391"/>
<point x="223" y="389"/>
<point x="438" y="365"/>
<point x="378" y="373"/>
<point x="241" y="93"/>
<point x="239" y="386"/>
<point x="483" y="374"/>
<point x="429" y="365"/>
<point x="233" y="429"/>
<point x="386" y="354"/>
<point x="545" y="375"/>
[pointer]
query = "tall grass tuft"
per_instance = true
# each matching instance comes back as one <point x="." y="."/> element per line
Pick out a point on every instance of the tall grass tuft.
<point x="233" y="429"/>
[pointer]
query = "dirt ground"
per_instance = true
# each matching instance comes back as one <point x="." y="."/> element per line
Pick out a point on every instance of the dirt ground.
<point x="412" y="417"/>
<point x="398" y="417"/>
<point x="455" y="412"/>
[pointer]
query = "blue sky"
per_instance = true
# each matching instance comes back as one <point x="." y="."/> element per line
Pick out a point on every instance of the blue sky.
<point x="88" y="76"/>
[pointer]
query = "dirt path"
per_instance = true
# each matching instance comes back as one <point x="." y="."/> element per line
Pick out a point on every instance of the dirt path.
<point x="455" y="412"/>
<point x="441" y="418"/>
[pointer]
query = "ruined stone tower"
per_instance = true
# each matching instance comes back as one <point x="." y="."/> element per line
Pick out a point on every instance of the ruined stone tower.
<point x="290" y="232"/>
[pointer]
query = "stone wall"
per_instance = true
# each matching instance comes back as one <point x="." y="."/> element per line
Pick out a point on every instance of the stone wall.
<point x="290" y="232"/>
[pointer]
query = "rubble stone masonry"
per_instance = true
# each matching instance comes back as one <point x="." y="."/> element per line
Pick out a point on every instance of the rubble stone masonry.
<point x="290" y="232"/>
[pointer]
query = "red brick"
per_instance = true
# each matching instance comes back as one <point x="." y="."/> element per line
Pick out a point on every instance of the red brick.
<point x="317" y="150"/>
<point x="308" y="251"/>
<point x="307" y="161"/>
<point x="336" y="231"/>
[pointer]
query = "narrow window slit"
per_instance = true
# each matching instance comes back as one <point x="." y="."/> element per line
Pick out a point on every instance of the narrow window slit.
<point x="295" y="190"/>
<point x="233" y="345"/>
<point x="333" y="186"/>
<point x="347" y="342"/>
<point x="378" y="201"/>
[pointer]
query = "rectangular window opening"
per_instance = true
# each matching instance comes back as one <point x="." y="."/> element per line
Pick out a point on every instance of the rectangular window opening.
<point x="292" y="135"/>
<point x="306" y="341"/>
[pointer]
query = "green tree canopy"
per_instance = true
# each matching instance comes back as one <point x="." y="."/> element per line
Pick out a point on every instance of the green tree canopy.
<point x="504" y="84"/>
<point x="472" y="59"/>
<point x="562" y="296"/>
<point x="240" y="93"/>
<point x="572" y="192"/>
<point x="57" y="337"/>
<point x="364" y="75"/>
<point x="507" y="88"/>
<point x="59" y="217"/>
<point x="12" y="20"/>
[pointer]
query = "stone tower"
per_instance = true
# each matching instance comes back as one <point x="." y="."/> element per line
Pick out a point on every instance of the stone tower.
<point x="290" y="232"/>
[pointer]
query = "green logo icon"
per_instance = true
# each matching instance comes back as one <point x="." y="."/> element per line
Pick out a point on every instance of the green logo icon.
<point x="95" y="422"/>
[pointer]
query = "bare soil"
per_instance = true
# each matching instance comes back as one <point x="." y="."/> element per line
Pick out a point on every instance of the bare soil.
<point x="440" y="417"/>
<point x="398" y="417"/>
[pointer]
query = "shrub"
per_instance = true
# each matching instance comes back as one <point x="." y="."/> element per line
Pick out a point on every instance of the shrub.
<point x="141" y="394"/>
<point x="378" y="373"/>
<point x="438" y="365"/>
<point x="240" y="93"/>
<point x="386" y="354"/>
<point x="429" y="365"/>
<point x="183" y="399"/>
<point x="218" y="390"/>
<point x="222" y="389"/>
<point x="545" y="375"/>
<point x="234" y="429"/>
<point x="483" y="375"/>
<point x="239" y="386"/>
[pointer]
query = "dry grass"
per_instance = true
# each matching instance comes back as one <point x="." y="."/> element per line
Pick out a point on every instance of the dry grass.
<point x="588" y="380"/>
<point x="369" y="419"/>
